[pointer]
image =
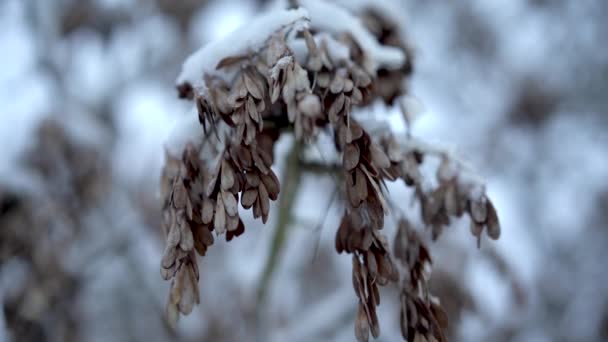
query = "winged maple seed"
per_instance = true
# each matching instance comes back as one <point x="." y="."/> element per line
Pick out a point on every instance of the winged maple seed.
<point x="305" y="77"/>
<point x="422" y="318"/>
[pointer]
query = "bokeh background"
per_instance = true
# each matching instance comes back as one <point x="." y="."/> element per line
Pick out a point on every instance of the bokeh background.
<point x="519" y="88"/>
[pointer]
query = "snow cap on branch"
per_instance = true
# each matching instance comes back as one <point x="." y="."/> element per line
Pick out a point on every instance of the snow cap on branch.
<point x="333" y="18"/>
<point x="246" y="39"/>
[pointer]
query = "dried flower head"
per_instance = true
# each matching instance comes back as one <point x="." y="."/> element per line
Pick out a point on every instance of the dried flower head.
<point x="304" y="71"/>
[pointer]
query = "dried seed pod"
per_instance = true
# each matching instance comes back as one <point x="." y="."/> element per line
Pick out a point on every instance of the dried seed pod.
<point x="211" y="183"/>
<point x="323" y="79"/>
<point x="250" y="132"/>
<point x="207" y="210"/>
<point x="356" y="132"/>
<point x="350" y="157"/>
<point x="259" y="162"/>
<point x="265" y="155"/>
<point x="358" y="191"/>
<point x="257" y="209"/>
<point x="440" y="315"/>
<point x="372" y="265"/>
<point x="356" y="96"/>
<point x="271" y="183"/>
<point x="240" y="229"/>
<point x="337" y="83"/>
<point x="227" y="175"/>
<point x="361" y="325"/>
<point x="230" y="203"/>
<point x="219" y="221"/>
<point x="186" y="242"/>
<point x="348" y="85"/>
<point x="248" y="198"/>
<point x="180" y="196"/>
<point x="476" y="228"/>
<point x="253" y="179"/>
<point x="374" y="324"/>
<point x="492" y="222"/>
<point x="310" y="105"/>
<point x="335" y="108"/>
<point x="264" y="201"/>
<point x="202" y="235"/>
<point x="168" y="259"/>
<point x="403" y="321"/>
<point x="232" y="222"/>
<point x="254" y="86"/>
<point x="187" y="291"/>
<point x="451" y="200"/>
<point x="478" y="210"/>
<point x="379" y="158"/>
<point x="174" y="235"/>
<point x="243" y="155"/>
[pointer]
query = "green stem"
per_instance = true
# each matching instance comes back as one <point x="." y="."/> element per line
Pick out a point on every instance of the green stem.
<point x="289" y="187"/>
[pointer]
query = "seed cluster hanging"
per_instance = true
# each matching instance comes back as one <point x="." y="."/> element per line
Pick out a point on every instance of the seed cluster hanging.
<point x="249" y="100"/>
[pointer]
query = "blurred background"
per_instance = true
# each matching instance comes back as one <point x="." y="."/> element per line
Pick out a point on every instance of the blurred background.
<point x="517" y="87"/>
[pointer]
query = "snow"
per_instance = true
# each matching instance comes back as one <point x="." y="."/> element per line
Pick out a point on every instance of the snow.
<point x="248" y="38"/>
<point x="186" y="130"/>
<point x="145" y="113"/>
<point x="338" y="51"/>
<point x="335" y="19"/>
<point x="252" y="36"/>
<point x="413" y="108"/>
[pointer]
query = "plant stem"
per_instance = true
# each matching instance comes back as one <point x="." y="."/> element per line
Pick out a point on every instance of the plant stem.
<point x="289" y="183"/>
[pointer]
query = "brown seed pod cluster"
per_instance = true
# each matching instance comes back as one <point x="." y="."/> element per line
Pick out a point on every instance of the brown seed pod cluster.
<point x="202" y="197"/>
<point x="455" y="196"/>
<point x="302" y="79"/>
<point x="372" y="267"/>
<point x="422" y="318"/>
<point x="389" y="83"/>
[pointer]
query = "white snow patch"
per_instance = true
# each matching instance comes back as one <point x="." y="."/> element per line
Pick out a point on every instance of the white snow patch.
<point x="247" y="38"/>
<point x="144" y="114"/>
<point x="335" y="19"/>
<point x="338" y="51"/>
<point x="186" y="130"/>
